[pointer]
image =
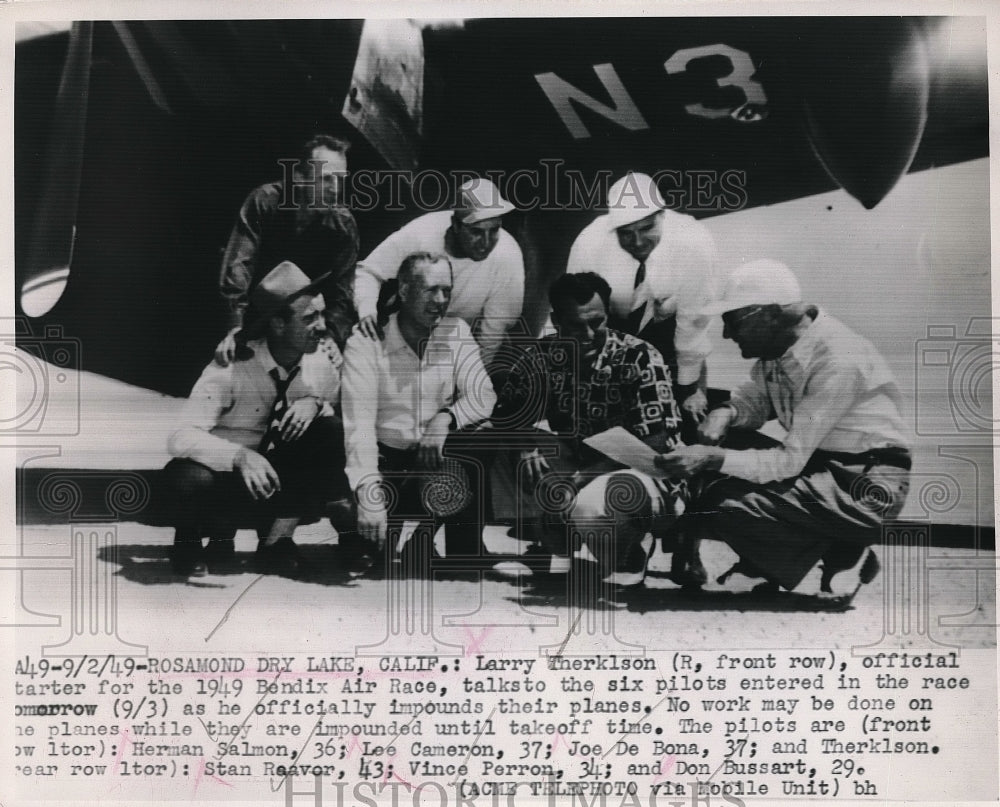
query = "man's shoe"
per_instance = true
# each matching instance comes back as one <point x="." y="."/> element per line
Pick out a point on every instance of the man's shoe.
<point x="186" y="560"/>
<point x="687" y="570"/>
<point x="342" y="514"/>
<point x="281" y="557"/>
<point x="867" y="564"/>
<point x="220" y="555"/>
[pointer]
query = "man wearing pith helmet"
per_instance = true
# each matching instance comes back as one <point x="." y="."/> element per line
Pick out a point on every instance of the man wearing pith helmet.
<point x="820" y="495"/>
<point x="660" y="265"/>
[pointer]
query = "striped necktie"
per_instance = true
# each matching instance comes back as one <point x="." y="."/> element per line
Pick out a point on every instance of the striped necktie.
<point x="272" y="436"/>
<point x="637" y="314"/>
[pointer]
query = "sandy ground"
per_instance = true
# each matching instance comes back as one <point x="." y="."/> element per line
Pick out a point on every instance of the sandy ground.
<point x="932" y="599"/>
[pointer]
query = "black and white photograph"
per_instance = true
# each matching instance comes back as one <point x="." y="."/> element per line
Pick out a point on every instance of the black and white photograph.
<point x="437" y="405"/>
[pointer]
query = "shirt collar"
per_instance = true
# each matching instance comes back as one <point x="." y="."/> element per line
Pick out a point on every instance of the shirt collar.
<point x="395" y="342"/>
<point x="802" y="351"/>
<point x="263" y="355"/>
<point x="612" y="340"/>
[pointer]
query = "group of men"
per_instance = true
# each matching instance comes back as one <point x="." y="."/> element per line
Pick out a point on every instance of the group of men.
<point x="366" y="391"/>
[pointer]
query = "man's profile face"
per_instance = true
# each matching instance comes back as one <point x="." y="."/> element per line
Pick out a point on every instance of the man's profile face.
<point x="585" y="324"/>
<point x="754" y="330"/>
<point x="641" y="237"/>
<point x="425" y="297"/>
<point x="332" y="168"/>
<point x="478" y="239"/>
<point x="303" y="327"/>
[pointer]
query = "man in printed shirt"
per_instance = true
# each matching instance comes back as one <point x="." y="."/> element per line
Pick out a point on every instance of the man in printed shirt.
<point x="585" y="380"/>
<point x="304" y="222"/>
<point x="409" y="402"/>
<point x="488" y="291"/>
<point x="259" y="435"/>
<point x="660" y="265"/>
<point x="843" y="467"/>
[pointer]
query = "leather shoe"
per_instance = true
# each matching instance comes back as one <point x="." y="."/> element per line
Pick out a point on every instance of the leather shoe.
<point x="686" y="568"/>
<point x="281" y="557"/>
<point x="220" y="555"/>
<point x="186" y="560"/>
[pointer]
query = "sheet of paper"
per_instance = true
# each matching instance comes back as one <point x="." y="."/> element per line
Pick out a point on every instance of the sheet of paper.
<point x="623" y="447"/>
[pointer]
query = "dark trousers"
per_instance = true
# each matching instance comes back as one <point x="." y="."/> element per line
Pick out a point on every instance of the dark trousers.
<point x="785" y="527"/>
<point x="453" y="496"/>
<point x="588" y="498"/>
<point x="203" y="502"/>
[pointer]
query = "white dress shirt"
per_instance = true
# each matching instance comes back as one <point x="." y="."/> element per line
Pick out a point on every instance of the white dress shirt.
<point x="831" y="390"/>
<point x="229" y="407"/>
<point x="390" y="395"/>
<point x="680" y="280"/>
<point x="490" y="291"/>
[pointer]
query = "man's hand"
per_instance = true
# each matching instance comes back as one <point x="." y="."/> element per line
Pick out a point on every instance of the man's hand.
<point x="225" y="353"/>
<point x="696" y="405"/>
<point x="369" y="327"/>
<point x="257" y="473"/>
<point x="686" y="461"/>
<point x="430" y="449"/>
<point x="372" y="518"/>
<point x="297" y="419"/>
<point x="716" y="426"/>
<point x="535" y="468"/>
<point x="664" y="307"/>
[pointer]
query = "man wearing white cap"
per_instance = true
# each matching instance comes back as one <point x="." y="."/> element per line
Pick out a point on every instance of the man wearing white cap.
<point x="488" y="291"/>
<point x="660" y="265"/>
<point x="843" y="467"/>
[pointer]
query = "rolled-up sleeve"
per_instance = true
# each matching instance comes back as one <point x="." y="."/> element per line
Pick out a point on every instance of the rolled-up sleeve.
<point x="382" y="264"/>
<point x="359" y="397"/>
<point x="192" y="439"/>
<point x="831" y="391"/>
<point x="693" y="259"/>
<point x="505" y="302"/>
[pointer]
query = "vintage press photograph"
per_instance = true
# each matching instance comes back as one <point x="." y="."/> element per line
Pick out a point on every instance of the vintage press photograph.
<point x="375" y="380"/>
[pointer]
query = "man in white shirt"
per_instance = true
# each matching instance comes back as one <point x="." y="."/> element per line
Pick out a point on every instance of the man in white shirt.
<point x="843" y="466"/>
<point x="406" y="398"/>
<point x="660" y="265"/>
<point x="259" y="435"/>
<point x="488" y="291"/>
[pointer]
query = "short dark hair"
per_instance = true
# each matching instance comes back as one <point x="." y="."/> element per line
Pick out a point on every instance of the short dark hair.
<point x="580" y="288"/>
<point x="409" y="264"/>
<point x="336" y="144"/>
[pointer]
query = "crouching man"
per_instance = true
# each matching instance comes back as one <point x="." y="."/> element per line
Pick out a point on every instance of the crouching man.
<point x="587" y="379"/>
<point x="843" y="468"/>
<point x="258" y="438"/>
<point x="411" y="402"/>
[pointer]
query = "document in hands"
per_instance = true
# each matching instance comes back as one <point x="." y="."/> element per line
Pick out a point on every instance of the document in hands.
<point x="621" y="446"/>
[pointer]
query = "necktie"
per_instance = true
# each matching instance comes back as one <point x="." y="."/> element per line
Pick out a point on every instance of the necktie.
<point x="272" y="436"/>
<point x="637" y="314"/>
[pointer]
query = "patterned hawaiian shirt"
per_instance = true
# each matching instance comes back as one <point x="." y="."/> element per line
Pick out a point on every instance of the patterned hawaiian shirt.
<point x="627" y="385"/>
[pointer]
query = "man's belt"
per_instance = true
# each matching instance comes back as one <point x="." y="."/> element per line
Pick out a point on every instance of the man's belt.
<point x="896" y="456"/>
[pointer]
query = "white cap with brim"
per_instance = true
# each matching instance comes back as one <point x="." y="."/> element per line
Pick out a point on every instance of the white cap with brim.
<point x="632" y="198"/>
<point x="763" y="282"/>
<point x="478" y="200"/>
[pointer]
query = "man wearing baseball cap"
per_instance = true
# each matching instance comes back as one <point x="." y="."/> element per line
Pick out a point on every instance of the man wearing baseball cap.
<point x="660" y="265"/>
<point x="259" y="435"/>
<point x="488" y="291"/>
<point x="843" y="467"/>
